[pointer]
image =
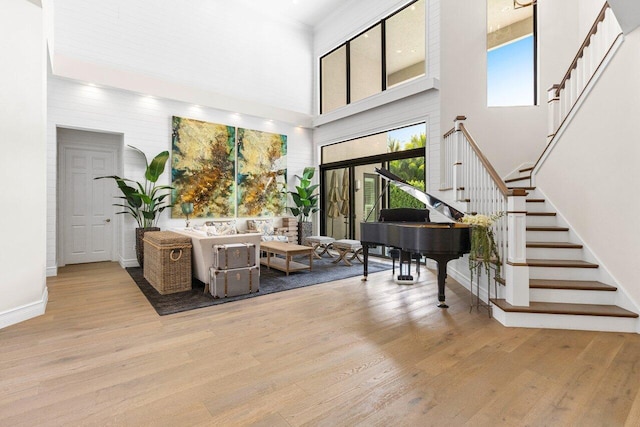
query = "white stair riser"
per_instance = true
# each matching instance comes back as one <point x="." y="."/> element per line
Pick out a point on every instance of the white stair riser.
<point x="560" y="321"/>
<point x="521" y="182"/>
<point x="564" y="273"/>
<point x="547" y="236"/>
<point x="573" y="296"/>
<point x="554" y="253"/>
<point x="537" y="207"/>
<point x="546" y="221"/>
<point x="525" y="174"/>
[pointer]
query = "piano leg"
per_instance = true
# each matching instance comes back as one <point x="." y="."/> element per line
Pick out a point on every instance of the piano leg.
<point x="442" y="275"/>
<point x="365" y="263"/>
<point x="442" y="261"/>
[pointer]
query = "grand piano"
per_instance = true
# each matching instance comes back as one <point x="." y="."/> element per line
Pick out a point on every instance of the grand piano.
<point x="412" y="233"/>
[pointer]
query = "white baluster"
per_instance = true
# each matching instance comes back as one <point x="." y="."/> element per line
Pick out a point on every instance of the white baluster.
<point x="457" y="158"/>
<point x="587" y="64"/>
<point x="552" y="112"/>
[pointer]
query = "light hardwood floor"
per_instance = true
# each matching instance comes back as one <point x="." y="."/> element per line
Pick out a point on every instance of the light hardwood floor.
<point x="339" y="354"/>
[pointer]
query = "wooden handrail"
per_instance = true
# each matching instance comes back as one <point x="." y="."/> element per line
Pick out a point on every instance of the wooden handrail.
<point x="583" y="46"/>
<point x="485" y="162"/>
<point x="449" y="133"/>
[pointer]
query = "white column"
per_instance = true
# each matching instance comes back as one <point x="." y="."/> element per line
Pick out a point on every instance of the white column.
<point x="516" y="268"/>
<point x="457" y="159"/>
<point x="553" y="111"/>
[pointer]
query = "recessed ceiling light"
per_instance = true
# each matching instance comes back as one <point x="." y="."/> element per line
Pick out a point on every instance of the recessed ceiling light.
<point x="398" y="51"/>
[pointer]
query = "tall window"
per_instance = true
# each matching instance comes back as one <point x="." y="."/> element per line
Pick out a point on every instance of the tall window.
<point x="405" y="44"/>
<point x="352" y="188"/>
<point x="365" y="73"/>
<point x="387" y="54"/>
<point x="511" y="53"/>
<point x="334" y="79"/>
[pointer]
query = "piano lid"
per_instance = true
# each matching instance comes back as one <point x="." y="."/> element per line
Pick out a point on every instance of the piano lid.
<point x="431" y="202"/>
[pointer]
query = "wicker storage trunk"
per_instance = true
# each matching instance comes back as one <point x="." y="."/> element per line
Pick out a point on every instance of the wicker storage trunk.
<point x="167" y="261"/>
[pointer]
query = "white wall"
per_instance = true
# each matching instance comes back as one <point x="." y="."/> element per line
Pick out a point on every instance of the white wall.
<point x="145" y="123"/>
<point x="23" y="292"/>
<point x="219" y="47"/>
<point x="509" y="136"/>
<point x="592" y="173"/>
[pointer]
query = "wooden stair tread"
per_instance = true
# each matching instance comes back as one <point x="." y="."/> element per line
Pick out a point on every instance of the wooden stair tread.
<point x="527" y="169"/>
<point x="566" y="308"/>
<point x="554" y="245"/>
<point x="521" y="188"/>
<point x="534" y="200"/>
<point x="520" y="178"/>
<point x="541" y="213"/>
<point x="578" y="285"/>
<point x="571" y="263"/>
<point x="546" y="228"/>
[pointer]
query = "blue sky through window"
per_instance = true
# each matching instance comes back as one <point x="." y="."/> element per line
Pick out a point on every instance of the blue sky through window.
<point x="404" y="134"/>
<point x="510" y="74"/>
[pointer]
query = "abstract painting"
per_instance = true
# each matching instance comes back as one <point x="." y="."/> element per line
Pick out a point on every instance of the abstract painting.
<point x="203" y="168"/>
<point x="262" y="173"/>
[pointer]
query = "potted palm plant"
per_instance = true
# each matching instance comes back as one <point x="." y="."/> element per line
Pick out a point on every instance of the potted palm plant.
<point x="306" y="203"/>
<point x="144" y="201"/>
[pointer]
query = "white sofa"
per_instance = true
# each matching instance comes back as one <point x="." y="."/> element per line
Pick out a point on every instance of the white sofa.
<point x="203" y="244"/>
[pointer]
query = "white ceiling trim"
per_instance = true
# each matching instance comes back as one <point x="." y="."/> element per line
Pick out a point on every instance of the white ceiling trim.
<point x="72" y="68"/>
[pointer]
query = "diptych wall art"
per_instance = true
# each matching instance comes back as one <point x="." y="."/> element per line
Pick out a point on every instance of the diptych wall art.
<point x="203" y="170"/>
<point x="262" y="173"/>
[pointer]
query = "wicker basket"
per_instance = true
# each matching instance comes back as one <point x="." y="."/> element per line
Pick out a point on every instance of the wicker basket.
<point x="167" y="261"/>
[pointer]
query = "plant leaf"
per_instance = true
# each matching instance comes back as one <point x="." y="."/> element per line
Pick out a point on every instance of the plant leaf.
<point x="155" y="169"/>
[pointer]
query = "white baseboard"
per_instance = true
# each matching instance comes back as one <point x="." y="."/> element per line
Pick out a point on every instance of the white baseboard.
<point x="26" y="312"/>
<point x="132" y="262"/>
<point x="52" y="271"/>
<point x="561" y="321"/>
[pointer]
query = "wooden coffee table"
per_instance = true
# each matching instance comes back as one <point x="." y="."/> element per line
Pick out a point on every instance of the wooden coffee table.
<point x="287" y="250"/>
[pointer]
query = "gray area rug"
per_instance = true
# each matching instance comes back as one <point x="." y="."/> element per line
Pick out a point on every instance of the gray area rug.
<point x="270" y="281"/>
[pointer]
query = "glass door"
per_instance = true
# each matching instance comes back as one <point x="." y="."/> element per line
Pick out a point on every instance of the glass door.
<point x="337" y="203"/>
<point x="367" y="198"/>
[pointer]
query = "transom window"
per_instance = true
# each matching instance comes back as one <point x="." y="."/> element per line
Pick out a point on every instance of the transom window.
<point x="391" y="52"/>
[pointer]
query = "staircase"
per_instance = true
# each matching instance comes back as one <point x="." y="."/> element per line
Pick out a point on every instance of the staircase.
<point x="567" y="287"/>
<point x="551" y="279"/>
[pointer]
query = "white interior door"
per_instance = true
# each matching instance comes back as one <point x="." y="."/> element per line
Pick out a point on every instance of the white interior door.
<point x="87" y="211"/>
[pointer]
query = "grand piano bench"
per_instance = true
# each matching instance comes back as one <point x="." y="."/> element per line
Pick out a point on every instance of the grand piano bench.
<point x="320" y="245"/>
<point x="348" y="250"/>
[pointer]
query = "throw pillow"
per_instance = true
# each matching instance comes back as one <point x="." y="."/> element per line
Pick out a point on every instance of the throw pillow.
<point x="263" y="226"/>
<point x="221" y="228"/>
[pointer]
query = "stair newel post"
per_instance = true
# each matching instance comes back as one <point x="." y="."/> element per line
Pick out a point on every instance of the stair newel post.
<point x="553" y="112"/>
<point x="516" y="268"/>
<point x="457" y="159"/>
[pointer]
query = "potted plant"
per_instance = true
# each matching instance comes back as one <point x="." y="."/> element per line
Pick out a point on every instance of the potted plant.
<point x="144" y="201"/>
<point x="306" y="203"/>
<point x="484" y="251"/>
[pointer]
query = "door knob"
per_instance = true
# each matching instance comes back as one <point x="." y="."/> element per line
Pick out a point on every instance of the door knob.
<point x="107" y="220"/>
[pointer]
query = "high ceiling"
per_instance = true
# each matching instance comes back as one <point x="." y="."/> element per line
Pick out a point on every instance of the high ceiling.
<point x="501" y="13"/>
<point x="308" y="12"/>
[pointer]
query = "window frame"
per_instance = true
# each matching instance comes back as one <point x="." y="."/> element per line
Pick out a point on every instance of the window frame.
<point x="383" y="35"/>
